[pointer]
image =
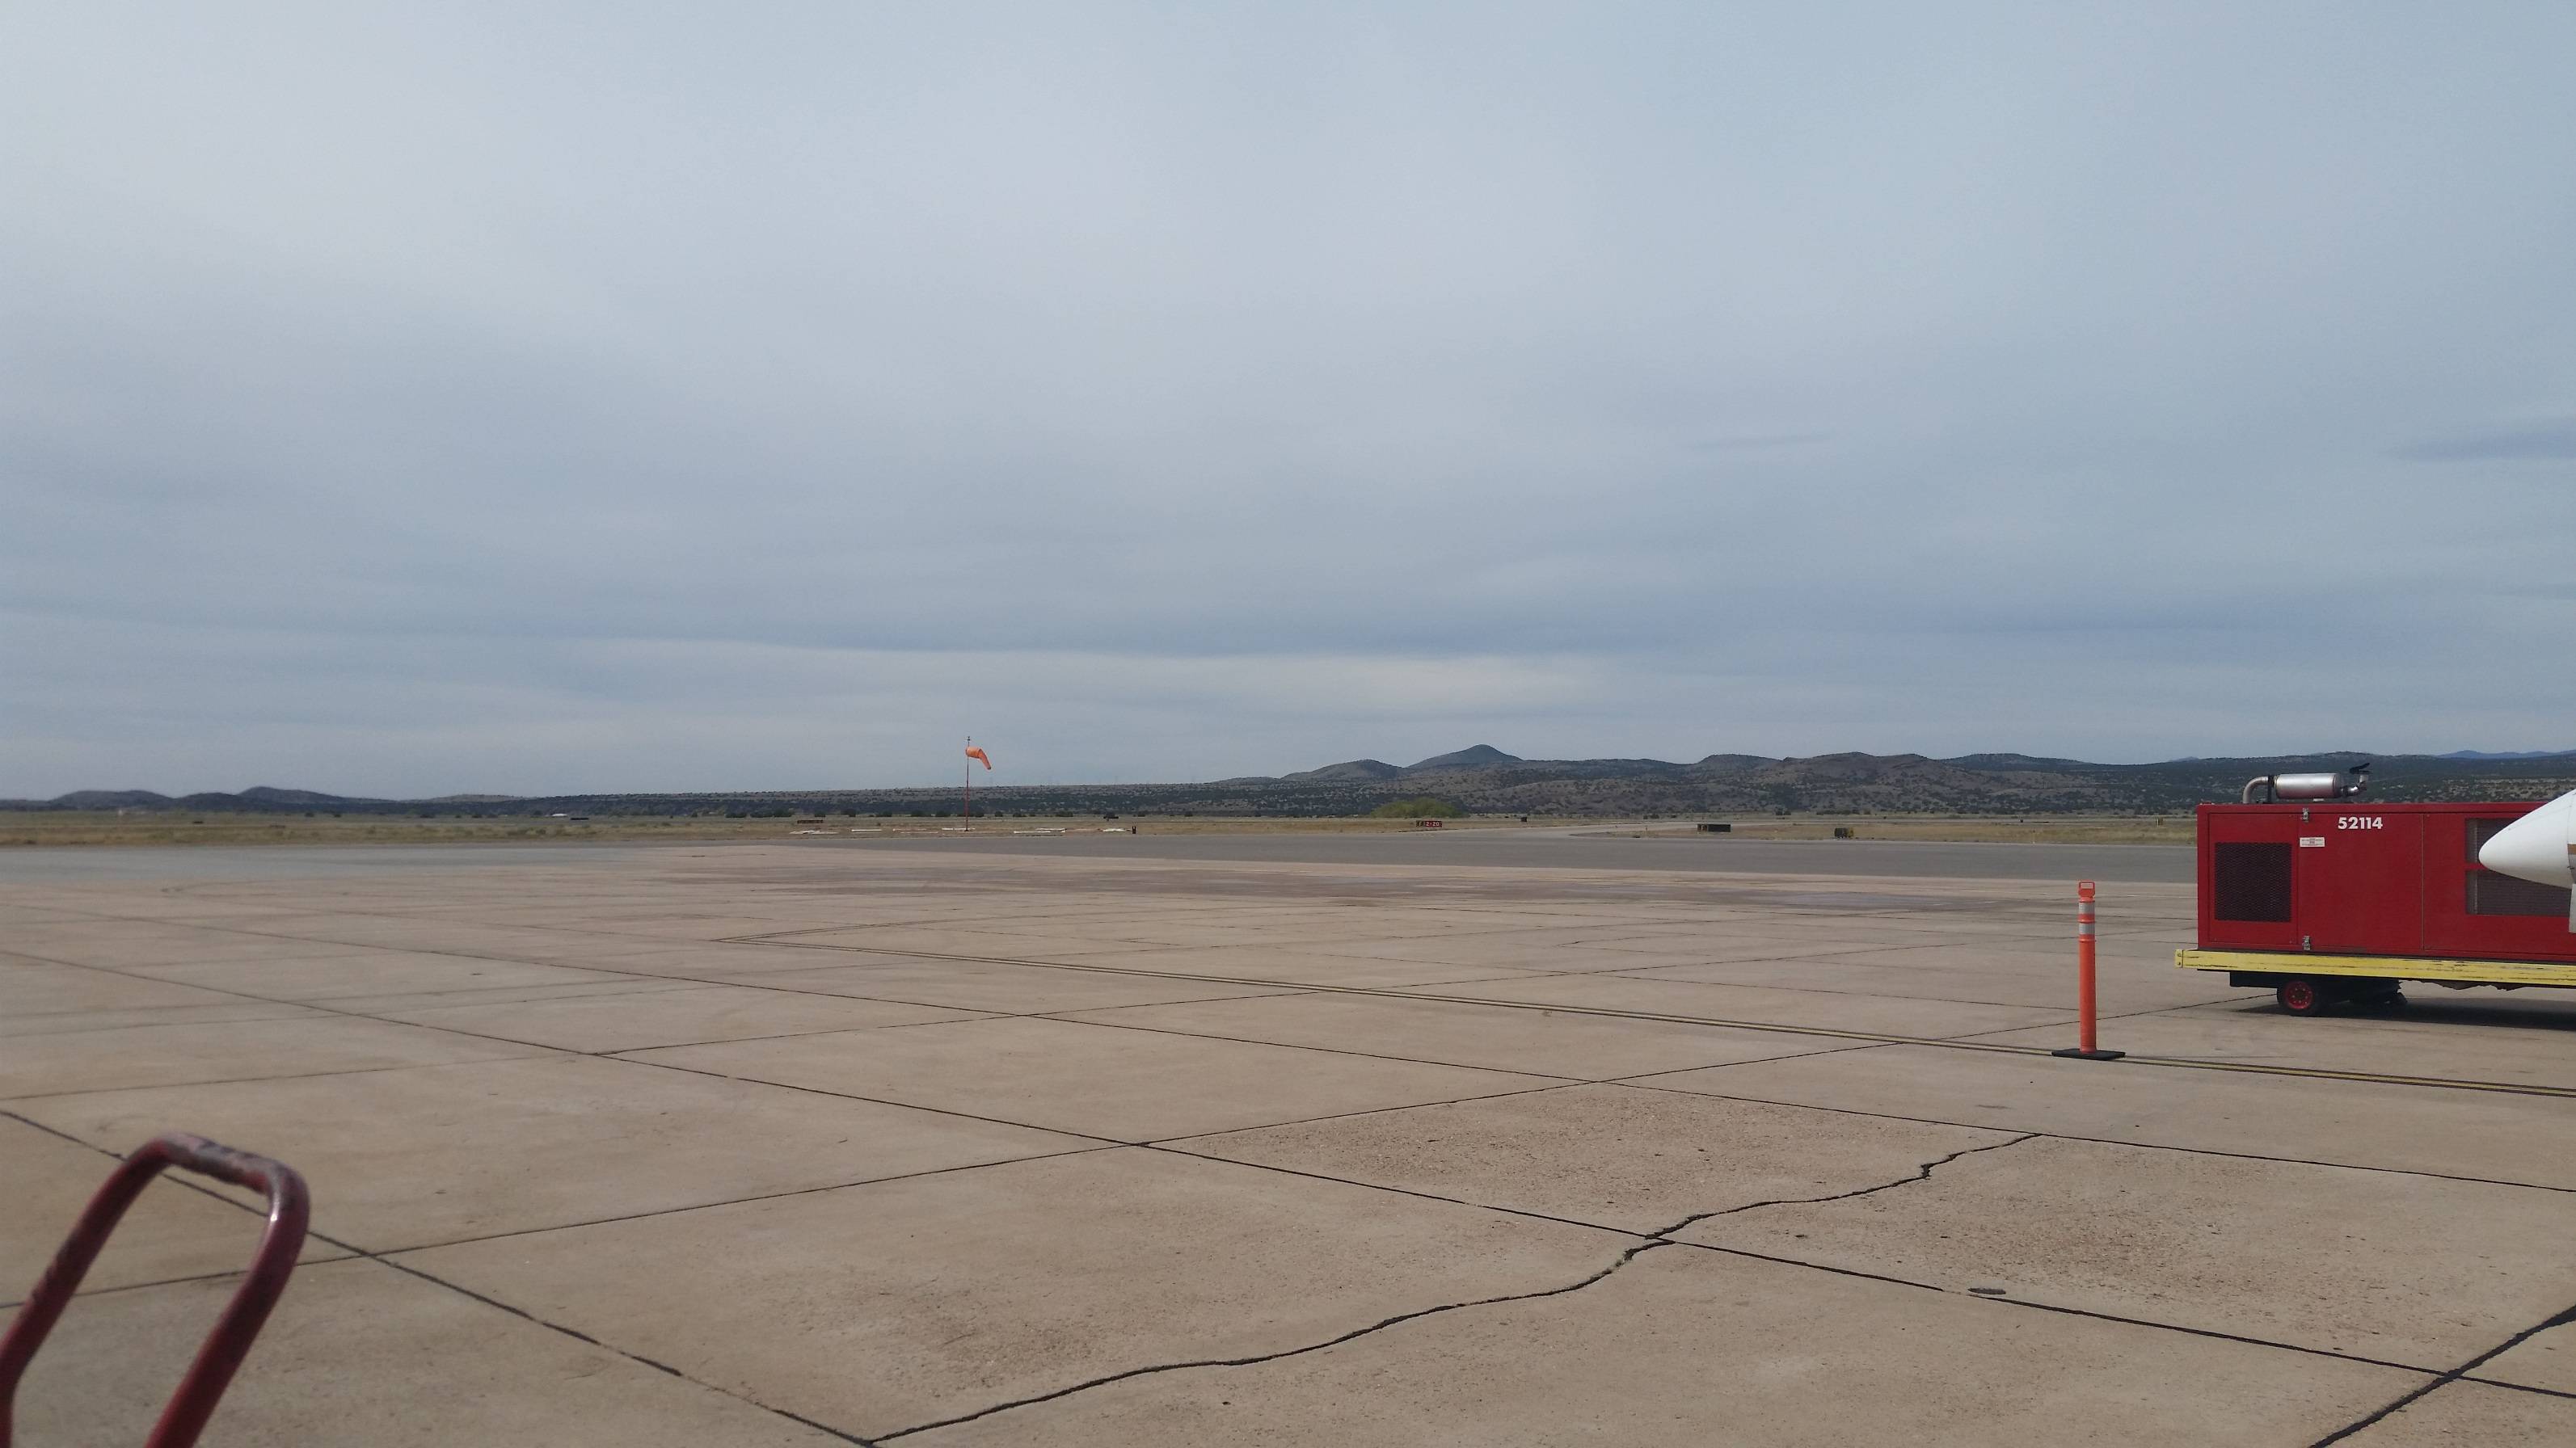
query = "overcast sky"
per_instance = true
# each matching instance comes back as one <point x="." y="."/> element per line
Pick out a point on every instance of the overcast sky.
<point x="531" y="398"/>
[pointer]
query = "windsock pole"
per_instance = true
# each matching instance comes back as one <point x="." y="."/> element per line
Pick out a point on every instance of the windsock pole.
<point x="969" y="772"/>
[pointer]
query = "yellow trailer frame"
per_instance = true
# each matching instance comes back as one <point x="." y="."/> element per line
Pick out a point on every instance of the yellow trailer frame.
<point x="2382" y="967"/>
<point x="2321" y="974"/>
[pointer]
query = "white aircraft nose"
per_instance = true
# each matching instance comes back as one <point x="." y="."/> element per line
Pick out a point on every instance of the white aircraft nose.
<point x="2539" y="847"/>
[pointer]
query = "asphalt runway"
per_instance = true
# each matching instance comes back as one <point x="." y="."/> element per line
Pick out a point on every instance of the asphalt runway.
<point x="1566" y="850"/>
<point x="105" y="864"/>
<point x="1531" y="849"/>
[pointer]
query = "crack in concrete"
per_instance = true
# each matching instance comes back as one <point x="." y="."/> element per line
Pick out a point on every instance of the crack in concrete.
<point x="1622" y="1260"/>
<point x="1922" y="1173"/>
<point x="2443" y="1380"/>
<point x="1654" y="1240"/>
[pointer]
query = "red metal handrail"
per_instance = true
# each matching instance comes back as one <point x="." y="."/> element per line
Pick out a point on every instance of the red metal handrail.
<point x="288" y="1210"/>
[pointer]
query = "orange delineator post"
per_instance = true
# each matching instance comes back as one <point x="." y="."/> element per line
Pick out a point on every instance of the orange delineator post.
<point x="2086" y="1047"/>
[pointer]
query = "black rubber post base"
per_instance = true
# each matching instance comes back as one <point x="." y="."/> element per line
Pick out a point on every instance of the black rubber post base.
<point x="2081" y="1054"/>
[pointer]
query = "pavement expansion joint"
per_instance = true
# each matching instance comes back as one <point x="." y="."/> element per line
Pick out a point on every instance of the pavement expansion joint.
<point x="608" y="1347"/>
<point x="1646" y="1082"/>
<point x="1091" y="1136"/>
<point x="285" y="1075"/>
<point x="1966" y="1042"/>
<point x="361" y="1253"/>
<point x="2518" y="1387"/>
<point x="2563" y="1319"/>
<point x="811" y="1191"/>
<point x="1070" y="1018"/>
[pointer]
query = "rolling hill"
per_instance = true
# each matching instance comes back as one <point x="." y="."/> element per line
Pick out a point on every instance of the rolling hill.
<point x="1485" y="780"/>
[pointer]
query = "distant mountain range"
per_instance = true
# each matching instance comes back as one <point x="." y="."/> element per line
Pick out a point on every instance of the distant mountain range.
<point x="2509" y="754"/>
<point x="1485" y="780"/>
<point x="258" y="797"/>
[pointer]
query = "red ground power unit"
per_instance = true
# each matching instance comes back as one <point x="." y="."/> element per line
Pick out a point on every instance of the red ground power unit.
<point x="2344" y="878"/>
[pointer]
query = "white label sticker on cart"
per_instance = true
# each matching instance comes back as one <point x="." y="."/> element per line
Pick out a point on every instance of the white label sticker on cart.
<point x="2312" y="842"/>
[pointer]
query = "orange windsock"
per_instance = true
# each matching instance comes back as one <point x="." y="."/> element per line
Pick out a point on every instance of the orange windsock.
<point x="976" y="751"/>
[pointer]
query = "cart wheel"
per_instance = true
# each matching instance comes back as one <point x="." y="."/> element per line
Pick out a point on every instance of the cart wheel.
<point x="2300" y="996"/>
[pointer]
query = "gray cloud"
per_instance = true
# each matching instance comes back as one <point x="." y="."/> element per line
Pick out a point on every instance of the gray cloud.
<point x="2539" y="441"/>
<point x="502" y="399"/>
